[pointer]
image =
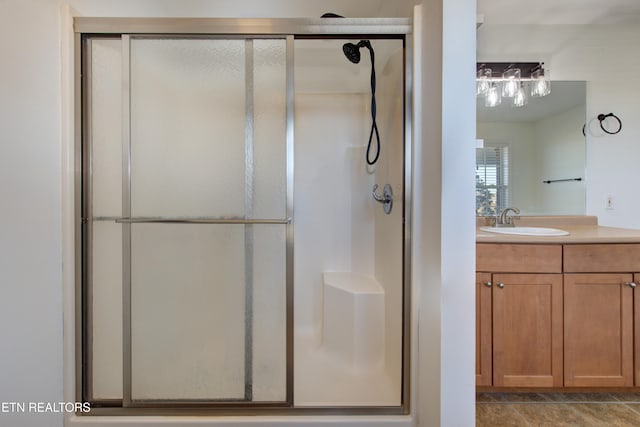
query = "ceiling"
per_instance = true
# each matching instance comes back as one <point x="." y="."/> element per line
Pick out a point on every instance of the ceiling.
<point x="535" y="12"/>
<point x="495" y="11"/>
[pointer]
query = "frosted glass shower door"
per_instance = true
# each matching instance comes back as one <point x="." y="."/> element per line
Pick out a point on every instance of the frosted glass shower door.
<point x="206" y="221"/>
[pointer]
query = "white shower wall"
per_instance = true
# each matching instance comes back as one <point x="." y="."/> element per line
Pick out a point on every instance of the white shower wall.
<point x="339" y="227"/>
<point x="334" y="212"/>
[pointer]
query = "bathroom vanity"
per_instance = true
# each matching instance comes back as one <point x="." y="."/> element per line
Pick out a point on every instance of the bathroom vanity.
<point x="558" y="311"/>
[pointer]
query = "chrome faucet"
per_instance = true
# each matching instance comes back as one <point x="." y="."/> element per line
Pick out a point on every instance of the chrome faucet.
<point x="504" y="220"/>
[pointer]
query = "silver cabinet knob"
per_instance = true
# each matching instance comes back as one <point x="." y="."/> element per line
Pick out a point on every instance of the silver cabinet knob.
<point x="501" y="285"/>
<point x="488" y="284"/>
<point x="631" y="284"/>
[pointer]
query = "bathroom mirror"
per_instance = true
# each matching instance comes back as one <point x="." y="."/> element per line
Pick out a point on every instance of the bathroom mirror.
<point x="533" y="157"/>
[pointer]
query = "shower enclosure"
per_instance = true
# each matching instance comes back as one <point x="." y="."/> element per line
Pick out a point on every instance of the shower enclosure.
<point x="193" y="294"/>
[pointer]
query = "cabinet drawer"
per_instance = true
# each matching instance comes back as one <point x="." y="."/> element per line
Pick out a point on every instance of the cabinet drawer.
<point x="605" y="258"/>
<point x="518" y="258"/>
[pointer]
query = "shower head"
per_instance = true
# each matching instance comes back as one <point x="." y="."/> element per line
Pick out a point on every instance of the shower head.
<point x="352" y="51"/>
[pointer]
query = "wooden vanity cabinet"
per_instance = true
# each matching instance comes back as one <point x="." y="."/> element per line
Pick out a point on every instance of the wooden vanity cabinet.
<point x="599" y="315"/>
<point x="561" y="315"/>
<point x="526" y="315"/>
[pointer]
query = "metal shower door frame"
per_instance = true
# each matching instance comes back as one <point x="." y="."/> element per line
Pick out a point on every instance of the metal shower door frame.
<point x="86" y="230"/>
<point x="289" y="29"/>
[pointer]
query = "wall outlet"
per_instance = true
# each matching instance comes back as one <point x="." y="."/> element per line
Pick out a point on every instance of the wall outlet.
<point x="608" y="204"/>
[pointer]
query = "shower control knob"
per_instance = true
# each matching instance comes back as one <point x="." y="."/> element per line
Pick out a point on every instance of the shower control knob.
<point x="386" y="199"/>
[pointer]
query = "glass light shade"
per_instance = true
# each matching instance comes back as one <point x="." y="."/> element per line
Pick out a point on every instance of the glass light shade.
<point x="482" y="81"/>
<point x="511" y="82"/>
<point x="540" y="83"/>
<point x="520" y="98"/>
<point x="493" y="98"/>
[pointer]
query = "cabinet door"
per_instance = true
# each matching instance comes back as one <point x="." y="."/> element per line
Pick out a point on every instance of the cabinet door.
<point x="527" y="330"/>
<point x="483" y="329"/>
<point x="598" y="330"/>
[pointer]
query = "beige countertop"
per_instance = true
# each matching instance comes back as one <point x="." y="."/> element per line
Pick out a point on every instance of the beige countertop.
<point x="583" y="229"/>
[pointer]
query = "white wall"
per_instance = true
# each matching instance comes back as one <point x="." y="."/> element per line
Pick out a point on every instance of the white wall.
<point x="30" y="226"/>
<point x="560" y="154"/>
<point x="444" y="213"/>
<point x="612" y="166"/>
<point x="607" y="57"/>
<point x="458" y="213"/>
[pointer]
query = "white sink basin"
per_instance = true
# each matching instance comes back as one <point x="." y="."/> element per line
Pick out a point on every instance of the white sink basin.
<point x="526" y="231"/>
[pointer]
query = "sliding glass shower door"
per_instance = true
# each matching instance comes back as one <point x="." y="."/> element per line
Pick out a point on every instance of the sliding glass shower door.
<point x="205" y="220"/>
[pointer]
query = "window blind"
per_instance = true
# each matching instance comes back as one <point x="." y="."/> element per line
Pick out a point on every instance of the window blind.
<point x="492" y="180"/>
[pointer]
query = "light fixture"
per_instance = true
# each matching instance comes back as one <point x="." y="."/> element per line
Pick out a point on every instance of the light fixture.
<point x="510" y="82"/>
<point x="520" y="97"/>
<point x="482" y="81"/>
<point x="540" y="83"/>
<point x="515" y="81"/>
<point x="493" y="97"/>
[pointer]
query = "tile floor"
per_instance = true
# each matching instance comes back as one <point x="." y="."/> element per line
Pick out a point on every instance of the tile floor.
<point x="557" y="409"/>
